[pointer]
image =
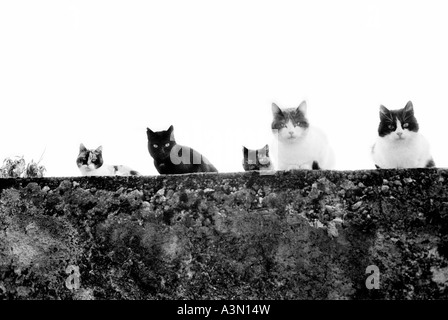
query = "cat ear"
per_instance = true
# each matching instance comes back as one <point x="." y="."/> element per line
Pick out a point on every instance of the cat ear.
<point x="276" y="110"/>
<point x="149" y="131"/>
<point x="99" y="149"/>
<point x="170" y="131"/>
<point x="384" y="112"/>
<point x="302" y="107"/>
<point x="82" y="148"/>
<point x="266" y="150"/>
<point x="245" y="151"/>
<point x="409" y="107"/>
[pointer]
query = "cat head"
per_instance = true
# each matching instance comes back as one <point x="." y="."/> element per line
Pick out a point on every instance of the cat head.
<point x="160" y="143"/>
<point x="398" y="125"/>
<point x="291" y="124"/>
<point x="89" y="159"/>
<point x="256" y="159"/>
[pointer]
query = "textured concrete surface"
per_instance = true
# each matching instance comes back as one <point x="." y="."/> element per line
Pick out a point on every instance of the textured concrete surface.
<point x="291" y="235"/>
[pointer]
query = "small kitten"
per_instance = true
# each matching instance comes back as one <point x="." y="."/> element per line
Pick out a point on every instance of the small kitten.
<point x="171" y="158"/>
<point x="90" y="163"/>
<point x="399" y="143"/>
<point x="257" y="159"/>
<point x="296" y="143"/>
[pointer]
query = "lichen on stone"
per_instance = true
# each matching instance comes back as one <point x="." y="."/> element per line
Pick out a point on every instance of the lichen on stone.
<point x="290" y="235"/>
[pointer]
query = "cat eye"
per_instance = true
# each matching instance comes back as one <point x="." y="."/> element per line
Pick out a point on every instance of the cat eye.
<point x="167" y="144"/>
<point x="155" y="145"/>
<point x="390" y="126"/>
<point x="405" y="125"/>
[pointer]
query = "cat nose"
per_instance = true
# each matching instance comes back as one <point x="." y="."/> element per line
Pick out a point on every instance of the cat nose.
<point x="399" y="134"/>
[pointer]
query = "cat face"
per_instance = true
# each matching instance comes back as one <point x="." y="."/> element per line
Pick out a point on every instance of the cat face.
<point x="256" y="159"/>
<point x="398" y="125"/>
<point x="160" y="143"/>
<point x="289" y="125"/>
<point x="89" y="159"/>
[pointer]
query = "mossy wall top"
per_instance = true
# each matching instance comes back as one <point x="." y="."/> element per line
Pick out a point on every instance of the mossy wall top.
<point x="290" y="235"/>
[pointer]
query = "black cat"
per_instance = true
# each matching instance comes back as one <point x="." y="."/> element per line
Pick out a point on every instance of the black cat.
<point x="172" y="158"/>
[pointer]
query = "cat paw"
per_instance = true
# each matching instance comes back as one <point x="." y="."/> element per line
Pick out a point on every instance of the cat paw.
<point x="267" y="172"/>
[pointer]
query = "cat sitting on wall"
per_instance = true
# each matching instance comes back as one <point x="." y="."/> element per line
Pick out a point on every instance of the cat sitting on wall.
<point x="297" y="144"/>
<point x="257" y="159"/>
<point x="399" y="143"/>
<point x="90" y="163"/>
<point x="172" y="158"/>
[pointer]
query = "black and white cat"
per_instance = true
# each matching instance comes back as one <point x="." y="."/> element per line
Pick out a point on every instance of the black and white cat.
<point x="171" y="158"/>
<point x="296" y="143"/>
<point x="399" y="143"/>
<point x="257" y="159"/>
<point x="90" y="163"/>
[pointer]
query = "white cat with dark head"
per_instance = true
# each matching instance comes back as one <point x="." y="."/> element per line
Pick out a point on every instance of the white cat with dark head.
<point x="90" y="163"/>
<point x="296" y="143"/>
<point x="399" y="143"/>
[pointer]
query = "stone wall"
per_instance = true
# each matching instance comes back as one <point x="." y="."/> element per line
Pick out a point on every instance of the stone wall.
<point x="377" y="234"/>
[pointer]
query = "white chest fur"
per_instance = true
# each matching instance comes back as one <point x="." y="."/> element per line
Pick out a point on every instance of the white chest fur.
<point x="105" y="170"/>
<point x="413" y="152"/>
<point x="300" y="153"/>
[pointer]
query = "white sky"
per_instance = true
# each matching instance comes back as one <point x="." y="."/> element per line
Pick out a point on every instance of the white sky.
<point x="100" y="72"/>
